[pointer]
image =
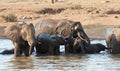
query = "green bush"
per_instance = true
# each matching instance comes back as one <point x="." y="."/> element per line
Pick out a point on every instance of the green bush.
<point x="9" y="18"/>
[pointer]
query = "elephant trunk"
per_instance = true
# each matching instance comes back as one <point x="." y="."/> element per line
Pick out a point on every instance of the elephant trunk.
<point x="32" y="44"/>
<point x="84" y="38"/>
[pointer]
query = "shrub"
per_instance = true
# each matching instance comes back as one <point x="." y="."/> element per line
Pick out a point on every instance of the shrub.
<point x="113" y="11"/>
<point x="9" y="18"/>
<point x="74" y="7"/>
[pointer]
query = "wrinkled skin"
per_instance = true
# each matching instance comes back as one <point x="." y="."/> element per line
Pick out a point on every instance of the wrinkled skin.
<point x="22" y="36"/>
<point x="113" y="40"/>
<point x="95" y="48"/>
<point x="65" y="28"/>
<point x="49" y="44"/>
<point x="74" y="45"/>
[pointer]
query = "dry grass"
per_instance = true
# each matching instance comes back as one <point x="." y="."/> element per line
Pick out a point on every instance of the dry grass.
<point x="9" y="18"/>
<point x="113" y="11"/>
<point x="50" y="11"/>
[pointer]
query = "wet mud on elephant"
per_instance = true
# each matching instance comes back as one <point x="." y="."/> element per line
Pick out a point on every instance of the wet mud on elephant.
<point x="63" y="27"/>
<point x="74" y="45"/>
<point x="95" y="48"/>
<point x="49" y="44"/>
<point x="22" y="36"/>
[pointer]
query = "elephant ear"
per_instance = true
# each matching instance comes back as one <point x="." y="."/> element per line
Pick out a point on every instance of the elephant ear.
<point x="27" y="31"/>
<point x="12" y="32"/>
<point x="64" y="28"/>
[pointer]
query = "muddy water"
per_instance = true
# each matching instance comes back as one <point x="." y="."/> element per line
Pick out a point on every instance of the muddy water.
<point x="83" y="62"/>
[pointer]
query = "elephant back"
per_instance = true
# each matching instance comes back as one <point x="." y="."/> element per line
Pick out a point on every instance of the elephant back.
<point x="64" y="28"/>
<point x="48" y="26"/>
<point x="44" y="36"/>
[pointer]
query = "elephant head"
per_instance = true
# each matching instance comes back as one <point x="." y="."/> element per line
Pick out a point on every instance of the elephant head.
<point x="73" y="29"/>
<point x="78" y="31"/>
<point x="22" y="35"/>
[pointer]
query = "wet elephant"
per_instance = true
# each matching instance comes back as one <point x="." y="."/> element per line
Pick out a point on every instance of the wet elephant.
<point x="95" y="48"/>
<point x="112" y="37"/>
<point x="49" y="44"/>
<point x="74" y="45"/>
<point x="7" y="51"/>
<point x="65" y="28"/>
<point x="22" y="36"/>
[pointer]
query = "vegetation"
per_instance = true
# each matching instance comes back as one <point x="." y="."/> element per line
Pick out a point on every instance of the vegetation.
<point x="9" y="18"/>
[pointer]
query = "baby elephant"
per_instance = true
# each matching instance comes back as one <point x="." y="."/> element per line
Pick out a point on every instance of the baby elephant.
<point x="74" y="45"/>
<point x="49" y="44"/>
<point x="95" y="48"/>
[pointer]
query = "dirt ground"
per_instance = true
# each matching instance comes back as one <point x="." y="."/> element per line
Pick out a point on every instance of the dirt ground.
<point x="95" y="15"/>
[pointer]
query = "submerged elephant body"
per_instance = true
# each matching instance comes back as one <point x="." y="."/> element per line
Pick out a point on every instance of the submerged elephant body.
<point x="22" y="36"/>
<point x="113" y="40"/>
<point x="7" y="51"/>
<point x="95" y="48"/>
<point x="49" y="44"/>
<point x="65" y="28"/>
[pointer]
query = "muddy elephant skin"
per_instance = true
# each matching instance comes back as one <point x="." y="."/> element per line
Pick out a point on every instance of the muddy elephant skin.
<point x="22" y="36"/>
<point x="7" y="51"/>
<point x="113" y="40"/>
<point x="65" y="28"/>
<point x="95" y="48"/>
<point x="74" y="45"/>
<point x="49" y="44"/>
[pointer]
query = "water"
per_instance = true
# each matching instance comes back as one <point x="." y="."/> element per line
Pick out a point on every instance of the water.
<point x="80" y="62"/>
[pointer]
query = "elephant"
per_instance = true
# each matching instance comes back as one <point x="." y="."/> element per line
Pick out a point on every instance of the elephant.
<point x="95" y="48"/>
<point x="49" y="44"/>
<point x="112" y="37"/>
<point x="74" y="45"/>
<point x="7" y="51"/>
<point x="63" y="27"/>
<point x="22" y="36"/>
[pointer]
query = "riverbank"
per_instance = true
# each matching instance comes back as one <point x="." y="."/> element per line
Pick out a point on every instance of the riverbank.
<point x="95" y="15"/>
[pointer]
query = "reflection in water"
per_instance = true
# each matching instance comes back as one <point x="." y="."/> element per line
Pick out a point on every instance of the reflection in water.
<point x="21" y="63"/>
<point x="78" y="62"/>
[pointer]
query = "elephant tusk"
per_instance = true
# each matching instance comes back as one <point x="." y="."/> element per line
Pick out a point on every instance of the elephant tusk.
<point x="81" y="37"/>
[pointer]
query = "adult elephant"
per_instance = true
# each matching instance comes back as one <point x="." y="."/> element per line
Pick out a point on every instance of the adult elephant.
<point x="49" y="44"/>
<point x="63" y="27"/>
<point x="112" y="37"/>
<point x="22" y="36"/>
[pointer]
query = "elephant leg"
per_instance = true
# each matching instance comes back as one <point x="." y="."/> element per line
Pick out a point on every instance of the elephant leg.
<point x="51" y="50"/>
<point x="17" y="51"/>
<point x="74" y="50"/>
<point x="56" y="50"/>
<point x="26" y="51"/>
<point x="67" y="49"/>
<point x="38" y="49"/>
<point x="82" y="48"/>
